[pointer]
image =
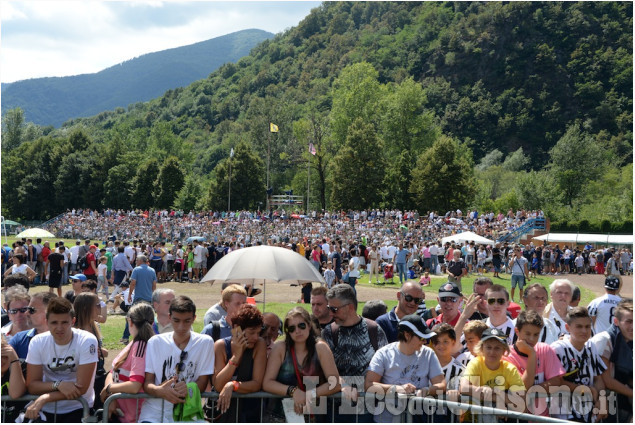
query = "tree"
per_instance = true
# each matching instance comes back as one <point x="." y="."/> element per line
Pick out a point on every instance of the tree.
<point x="356" y="94"/>
<point x="492" y="158"/>
<point x="117" y="187"/>
<point x="516" y="161"/>
<point x="444" y="177"/>
<point x="189" y="197"/>
<point x="12" y="129"/>
<point x="143" y="184"/>
<point x="169" y="181"/>
<point x="358" y="169"/>
<point x="247" y="181"/>
<point x="574" y="161"/>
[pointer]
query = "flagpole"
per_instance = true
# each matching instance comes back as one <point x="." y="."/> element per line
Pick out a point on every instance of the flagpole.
<point x="229" y="194"/>
<point x="268" y="156"/>
<point x="308" y="183"/>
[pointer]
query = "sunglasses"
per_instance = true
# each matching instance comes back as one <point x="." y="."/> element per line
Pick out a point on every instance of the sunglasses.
<point x="180" y="366"/>
<point x="291" y="329"/>
<point x="32" y="310"/>
<point x="20" y="310"/>
<point x="500" y="301"/>
<point x="335" y="309"/>
<point x="410" y="298"/>
<point x="449" y="299"/>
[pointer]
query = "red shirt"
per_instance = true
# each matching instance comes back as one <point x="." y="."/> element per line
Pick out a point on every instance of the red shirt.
<point x="89" y="271"/>
<point x="45" y="253"/>
<point x="439" y="319"/>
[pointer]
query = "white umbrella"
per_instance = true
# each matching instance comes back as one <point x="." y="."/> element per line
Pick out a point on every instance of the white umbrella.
<point x="263" y="264"/>
<point x="467" y="237"/>
<point x="35" y="233"/>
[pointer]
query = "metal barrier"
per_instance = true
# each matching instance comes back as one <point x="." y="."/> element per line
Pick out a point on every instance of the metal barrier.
<point x="443" y="410"/>
<point x="29" y="397"/>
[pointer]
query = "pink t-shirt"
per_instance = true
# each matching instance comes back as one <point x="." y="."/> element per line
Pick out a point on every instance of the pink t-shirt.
<point x="548" y="366"/>
<point x="133" y="369"/>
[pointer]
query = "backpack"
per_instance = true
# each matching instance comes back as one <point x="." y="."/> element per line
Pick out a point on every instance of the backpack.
<point x="82" y="263"/>
<point x="372" y="333"/>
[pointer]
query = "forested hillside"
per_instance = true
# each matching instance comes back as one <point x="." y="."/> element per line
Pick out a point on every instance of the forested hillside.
<point x="51" y="101"/>
<point x="529" y="103"/>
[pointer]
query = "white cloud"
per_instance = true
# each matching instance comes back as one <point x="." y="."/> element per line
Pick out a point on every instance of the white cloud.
<point x="59" y="38"/>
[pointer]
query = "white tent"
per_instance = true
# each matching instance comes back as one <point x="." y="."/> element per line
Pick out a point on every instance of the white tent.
<point x="587" y="237"/>
<point x="466" y="237"/>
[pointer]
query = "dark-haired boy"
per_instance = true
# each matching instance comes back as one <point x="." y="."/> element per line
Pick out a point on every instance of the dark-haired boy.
<point x="173" y="360"/>
<point x="61" y="366"/>
<point x="497" y="304"/>
<point x="582" y="364"/>
<point x="536" y="361"/>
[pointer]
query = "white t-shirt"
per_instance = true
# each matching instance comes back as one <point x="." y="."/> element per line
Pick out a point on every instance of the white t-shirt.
<point x="396" y="368"/>
<point x="162" y="356"/>
<point x="81" y="350"/>
<point x="101" y="270"/>
<point x="74" y="254"/>
<point x="508" y="328"/>
<point x="602" y="309"/>
<point x="198" y="253"/>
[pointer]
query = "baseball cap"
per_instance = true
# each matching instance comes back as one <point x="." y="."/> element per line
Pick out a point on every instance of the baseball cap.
<point x="79" y="276"/>
<point x="612" y="283"/>
<point x="414" y="323"/>
<point x="495" y="334"/>
<point x="450" y="289"/>
<point x="93" y="246"/>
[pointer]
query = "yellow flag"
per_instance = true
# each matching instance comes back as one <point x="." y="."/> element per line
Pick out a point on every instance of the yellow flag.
<point x="273" y="128"/>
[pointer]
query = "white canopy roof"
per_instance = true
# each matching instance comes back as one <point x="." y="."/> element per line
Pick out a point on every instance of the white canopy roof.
<point x="587" y="237"/>
<point x="466" y="237"/>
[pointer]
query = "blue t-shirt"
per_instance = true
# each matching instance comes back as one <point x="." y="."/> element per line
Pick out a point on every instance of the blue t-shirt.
<point x="144" y="276"/>
<point x="20" y="342"/>
<point x="401" y="256"/>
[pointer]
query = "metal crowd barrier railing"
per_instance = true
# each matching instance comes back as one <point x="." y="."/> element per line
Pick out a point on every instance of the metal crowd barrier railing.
<point x="432" y="409"/>
<point x="5" y="399"/>
<point x="444" y="410"/>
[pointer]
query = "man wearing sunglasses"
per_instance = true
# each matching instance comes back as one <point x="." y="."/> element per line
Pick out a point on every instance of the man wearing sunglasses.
<point x="497" y="304"/>
<point x="61" y="366"/>
<point x="173" y="360"/>
<point x="36" y="319"/>
<point x="353" y="341"/>
<point x="449" y="299"/>
<point x="408" y="299"/>
<point x="17" y="302"/>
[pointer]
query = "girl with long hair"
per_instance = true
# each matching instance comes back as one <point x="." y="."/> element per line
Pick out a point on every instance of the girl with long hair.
<point x="87" y="308"/>
<point x="128" y="368"/>
<point x="302" y="354"/>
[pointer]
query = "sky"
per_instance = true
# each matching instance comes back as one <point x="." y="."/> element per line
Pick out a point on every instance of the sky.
<point x="50" y="38"/>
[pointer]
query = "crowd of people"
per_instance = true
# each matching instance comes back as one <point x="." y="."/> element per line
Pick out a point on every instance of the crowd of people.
<point x="474" y="345"/>
<point x="247" y="227"/>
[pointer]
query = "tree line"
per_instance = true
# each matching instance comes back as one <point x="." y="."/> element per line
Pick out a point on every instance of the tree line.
<point x="409" y="105"/>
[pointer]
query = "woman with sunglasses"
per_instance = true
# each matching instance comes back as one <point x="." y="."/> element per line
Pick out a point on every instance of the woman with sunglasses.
<point x="301" y="355"/>
<point x="406" y="366"/>
<point x="240" y="361"/>
<point x="87" y="308"/>
<point x="128" y="368"/>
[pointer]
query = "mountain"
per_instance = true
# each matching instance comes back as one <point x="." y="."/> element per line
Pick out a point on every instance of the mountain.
<point x="538" y="94"/>
<point x="53" y="100"/>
